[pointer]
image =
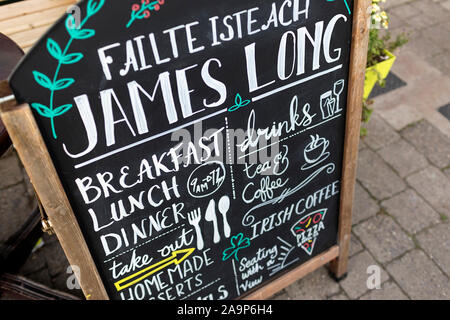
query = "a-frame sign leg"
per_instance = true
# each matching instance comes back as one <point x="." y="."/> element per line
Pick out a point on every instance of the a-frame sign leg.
<point x="360" y="38"/>
<point x="33" y="153"/>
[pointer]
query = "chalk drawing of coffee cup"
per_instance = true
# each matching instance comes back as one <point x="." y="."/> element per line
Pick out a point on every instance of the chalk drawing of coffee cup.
<point x="315" y="152"/>
<point x="327" y="104"/>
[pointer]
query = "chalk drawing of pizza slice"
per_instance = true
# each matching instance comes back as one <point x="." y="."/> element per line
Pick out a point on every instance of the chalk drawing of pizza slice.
<point x="307" y="229"/>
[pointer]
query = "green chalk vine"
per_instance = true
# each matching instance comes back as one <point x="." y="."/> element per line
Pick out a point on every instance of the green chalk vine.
<point x="76" y="32"/>
<point x="142" y="11"/>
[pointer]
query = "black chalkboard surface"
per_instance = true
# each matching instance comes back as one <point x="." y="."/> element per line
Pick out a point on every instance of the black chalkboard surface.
<point x="199" y="142"/>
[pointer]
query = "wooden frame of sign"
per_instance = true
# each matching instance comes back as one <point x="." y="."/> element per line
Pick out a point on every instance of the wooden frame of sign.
<point x="34" y="155"/>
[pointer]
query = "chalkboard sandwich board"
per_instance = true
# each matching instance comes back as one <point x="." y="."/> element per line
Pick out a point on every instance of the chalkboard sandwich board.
<point x="194" y="149"/>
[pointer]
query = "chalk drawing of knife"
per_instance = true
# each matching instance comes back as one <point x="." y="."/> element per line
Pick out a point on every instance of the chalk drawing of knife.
<point x="210" y="215"/>
<point x="224" y="205"/>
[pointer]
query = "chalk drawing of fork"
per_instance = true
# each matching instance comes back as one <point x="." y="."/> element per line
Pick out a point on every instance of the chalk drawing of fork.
<point x="194" y="218"/>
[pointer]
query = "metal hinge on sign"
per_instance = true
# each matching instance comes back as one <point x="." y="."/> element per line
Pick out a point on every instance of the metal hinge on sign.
<point x="46" y="224"/>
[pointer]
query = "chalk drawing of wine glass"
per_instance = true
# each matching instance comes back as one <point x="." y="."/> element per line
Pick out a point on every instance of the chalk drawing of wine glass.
<point x="327" y="104"/>
<point x="315" y="152"/>
<point x="337" y="90"/>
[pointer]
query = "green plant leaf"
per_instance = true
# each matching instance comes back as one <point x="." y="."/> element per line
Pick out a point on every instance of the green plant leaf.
<point x="42" y="110"/>
<point x="63" y="83"/>
<point x="72" y="58"/>
<point x="81" y="34"/>
<point x="42" y="80"/>
<point x="94" y="6"/>
<point x="54" y="49"/>
<point x="61" y="109"/>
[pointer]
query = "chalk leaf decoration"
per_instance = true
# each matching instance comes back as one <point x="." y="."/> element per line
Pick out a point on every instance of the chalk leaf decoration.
<point x="53" y="83"/>
<point x="42" y="80"/>
<point x="238" y="103"/>
<point x="238" y="242"/>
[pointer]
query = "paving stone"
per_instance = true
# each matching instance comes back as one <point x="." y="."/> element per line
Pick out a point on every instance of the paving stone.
<point x="377" y="177"/>
<point x="49" y="238"/>
<point x="422" y="46"/>
<point x="428" y="95"/>
<point x="363" y="205"/>
<point x="34" y="263"/>
<point x="388" y="291"/>
<point x="340" y="296"/>
<point x="394" y="3"/>
<point x="379" y="133"/>
<point x="315" y="286"/>
<point x="7" y="153"/>
<point x="446" y="4"/>
<point x="419" y="277"/>
<point x="447" y="172"/>
<point x="436" y="243"/>
<point x="447" y="24"/>
<point x="403" y="157"/>
<point x="439" y="120"/>
<point x="29" y="187"/>
<point x="49" y="257"/>
<point x="55" y="257"/>
<point x="411" y="211"/>
<point x="430" y="141"/>
<point x="439" y="34"/>
<point x="440" y="62"/>
<point x="433" y="186"/>
<point x="420" y="22"/>
<point x="383" y="238"/>
<point x="10" y="171"/>
<point x="282" y="295"/>
<point x="41" y="277"/>
<point x="401" y="115"/>
<point x="405" y="11"/>
<point x="14" y="210"/>
<point x="355" y="246"/>
<point x="393" y="83"/>
<point x="396" y="20"/>
<point x="59" y="282"/>
<point x="405" y="30"/>
<point x="355" y="284"/>
<point x="412" y="70"/>
<point x="445" y="111"/>
<point x="362" y="145"/>
<point x="431" y="10"/>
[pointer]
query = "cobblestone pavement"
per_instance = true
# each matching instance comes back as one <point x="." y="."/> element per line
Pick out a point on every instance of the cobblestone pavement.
<point x="402" y="197"/>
